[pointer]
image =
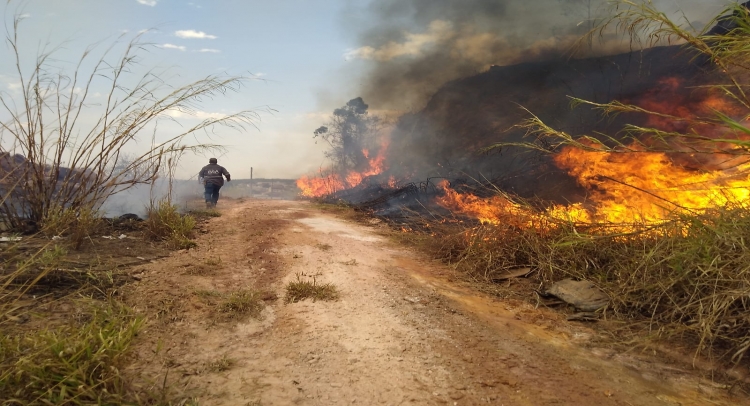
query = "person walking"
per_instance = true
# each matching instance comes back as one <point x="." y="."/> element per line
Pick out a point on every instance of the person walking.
<point x="211" y="177"/>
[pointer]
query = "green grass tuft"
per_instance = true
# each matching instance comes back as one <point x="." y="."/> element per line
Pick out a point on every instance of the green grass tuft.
<point x="72" y="364"/>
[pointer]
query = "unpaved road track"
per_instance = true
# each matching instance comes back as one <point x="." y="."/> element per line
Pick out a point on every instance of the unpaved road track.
<point x="402" y="332"/>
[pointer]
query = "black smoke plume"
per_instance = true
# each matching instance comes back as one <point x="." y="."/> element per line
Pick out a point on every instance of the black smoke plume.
<point x="416" y="46"/>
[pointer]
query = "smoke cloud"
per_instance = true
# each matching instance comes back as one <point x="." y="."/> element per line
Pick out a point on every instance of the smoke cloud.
<point x="415" y="46"/>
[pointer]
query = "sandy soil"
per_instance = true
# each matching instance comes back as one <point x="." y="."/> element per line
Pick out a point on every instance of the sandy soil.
<point x="403" y="332"/>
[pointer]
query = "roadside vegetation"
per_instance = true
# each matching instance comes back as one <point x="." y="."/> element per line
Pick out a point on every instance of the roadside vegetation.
<point x="71" y="364"/>
<point x="307" y="287"/>
<point x="165" y="222"/>
<point x="242" y="303"/>
<point x="684" y="280"/>
<point x="61" y="158"/>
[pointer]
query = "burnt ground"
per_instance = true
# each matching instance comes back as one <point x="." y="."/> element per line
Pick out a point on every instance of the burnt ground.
<point x="405" y="330"/>
<point x="98" y="269"/>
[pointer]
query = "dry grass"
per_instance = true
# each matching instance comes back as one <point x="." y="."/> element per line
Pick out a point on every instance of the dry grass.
<point x="164" y="222"/>
<point x="204" y="213"/>
<point x="77" y="224"/>
<point x="222" y="364"/>
<point x="685" y="280"/>
<point x="213" y="262"/>
<point x="69" y="169"/>
<point x="242" y="303"/>
<point x="69" y="163"/>
<point x="302" y="289"/>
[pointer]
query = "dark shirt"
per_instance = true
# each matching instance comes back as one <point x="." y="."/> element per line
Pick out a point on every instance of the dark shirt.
<point x="211" y="174"/>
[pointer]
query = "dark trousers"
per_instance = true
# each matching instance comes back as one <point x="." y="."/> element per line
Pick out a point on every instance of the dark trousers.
<point x="212" y="192"/>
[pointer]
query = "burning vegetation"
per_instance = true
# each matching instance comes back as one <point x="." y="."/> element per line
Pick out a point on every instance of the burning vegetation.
<point x="651" y="203"/>
<point x="356" y="150"/>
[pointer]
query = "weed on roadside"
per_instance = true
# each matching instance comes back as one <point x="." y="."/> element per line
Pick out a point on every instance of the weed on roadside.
<point x="164" y="222"/>
<point x="210" y="297"/>
<point x="241" y="303"/>
<point x="213" y="261"/>
<point x="77" y="224"/>
<point x="200" y="270"/>
<point x="222" y="364"/>
<point x="324" y="247"/>
<point x="302" y="289"/>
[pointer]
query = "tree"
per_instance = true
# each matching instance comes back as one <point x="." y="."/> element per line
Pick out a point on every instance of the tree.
<point x="350" y="133"/>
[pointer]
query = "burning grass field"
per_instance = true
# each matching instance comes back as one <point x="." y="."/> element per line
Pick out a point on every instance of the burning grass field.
<point x="653" y="207"/>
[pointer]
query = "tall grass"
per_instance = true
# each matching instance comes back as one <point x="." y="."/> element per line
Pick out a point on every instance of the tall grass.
<point x="63" y="136"/>
<point x="686" y="279"/>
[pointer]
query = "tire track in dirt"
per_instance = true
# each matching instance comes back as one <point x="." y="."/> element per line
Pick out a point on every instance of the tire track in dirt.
<point x="401" y="333"/>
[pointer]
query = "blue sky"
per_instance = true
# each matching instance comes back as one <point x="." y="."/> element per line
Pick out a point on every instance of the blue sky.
<point x="309" y="57"/>
<point x="295" y="47"/>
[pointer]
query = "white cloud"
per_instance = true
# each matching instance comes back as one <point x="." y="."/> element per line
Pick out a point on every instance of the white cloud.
<point x="172" y="46"/>
<point x="194" y="34"/>
<point x="147" y="2"/>
<point x="209" y="50"/>
<point x="10" y="83"/>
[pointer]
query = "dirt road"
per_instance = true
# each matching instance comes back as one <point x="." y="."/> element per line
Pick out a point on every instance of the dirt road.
<point x="403" y="332"/>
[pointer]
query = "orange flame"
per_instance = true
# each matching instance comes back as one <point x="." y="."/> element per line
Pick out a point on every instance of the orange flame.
<point x="328" y="184"/>
<point x="649" y="187"/>
<point x="500" y="209"/>
<point x="625" y="188"/>
<point x="636" y="187"/>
